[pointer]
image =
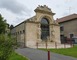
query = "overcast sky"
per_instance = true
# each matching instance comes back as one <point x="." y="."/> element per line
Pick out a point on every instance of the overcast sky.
<point x="16" y="11"/>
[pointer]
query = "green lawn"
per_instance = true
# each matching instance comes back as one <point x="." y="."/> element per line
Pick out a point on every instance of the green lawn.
<point x="15" y="56"/>
<point x="66" y="51"/>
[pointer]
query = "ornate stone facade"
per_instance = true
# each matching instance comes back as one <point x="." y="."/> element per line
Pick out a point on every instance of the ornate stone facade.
<point x="31" y="31"/>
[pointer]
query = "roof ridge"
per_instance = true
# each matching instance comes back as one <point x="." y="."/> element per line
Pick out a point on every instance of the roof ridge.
<point x="66" y="18"/>
<point x="68" y="15"/>
<point x="25" y="20"/>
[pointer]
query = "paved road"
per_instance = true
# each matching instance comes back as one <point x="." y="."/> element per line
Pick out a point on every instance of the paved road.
<point x="34" y="54"/>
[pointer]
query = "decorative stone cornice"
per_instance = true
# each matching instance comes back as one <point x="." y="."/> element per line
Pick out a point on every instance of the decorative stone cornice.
<point x="32" y="22"/>
<point x="54" y="24"/>
<point x="44" y="9"/>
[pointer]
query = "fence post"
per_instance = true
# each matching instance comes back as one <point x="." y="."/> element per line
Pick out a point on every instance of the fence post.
<point x="46" y="45"/>
<point x="72" y="45"/>
<point x="48" y="55"/>
<point x="55" y="45"/>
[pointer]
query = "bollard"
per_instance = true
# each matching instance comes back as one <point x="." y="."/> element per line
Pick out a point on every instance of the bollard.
<point x="48" y="55"/>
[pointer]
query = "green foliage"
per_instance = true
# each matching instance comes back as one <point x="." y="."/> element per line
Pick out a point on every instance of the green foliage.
<point x="2" y="24"/>
<point x="6" y="46"/>
<point x="65" y="51"/>
<point x="15" y="56"/>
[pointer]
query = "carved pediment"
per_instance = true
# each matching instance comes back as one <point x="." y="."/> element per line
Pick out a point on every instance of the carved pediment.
<point x="43" y="9"/>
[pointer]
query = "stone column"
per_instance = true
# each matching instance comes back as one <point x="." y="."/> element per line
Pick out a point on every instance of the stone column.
<point x="51" y="33"/>
<point x="39" y="33"/>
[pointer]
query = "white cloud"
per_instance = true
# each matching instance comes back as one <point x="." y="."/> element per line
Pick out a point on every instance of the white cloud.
<point x="19" y="10"/>
<point x="14" y="7"/>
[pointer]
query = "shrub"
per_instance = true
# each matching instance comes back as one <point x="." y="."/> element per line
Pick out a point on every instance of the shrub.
<point x="6" y="46"/>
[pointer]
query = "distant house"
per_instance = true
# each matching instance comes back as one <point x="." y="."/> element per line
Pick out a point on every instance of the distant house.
<point x="40" y="28"/>
<point x="68" y="27"/>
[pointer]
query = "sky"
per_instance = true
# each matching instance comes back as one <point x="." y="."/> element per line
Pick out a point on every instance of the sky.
<point x="16" y="11"/>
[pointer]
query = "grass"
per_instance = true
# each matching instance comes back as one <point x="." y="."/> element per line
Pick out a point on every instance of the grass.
<point x="66" y="51"/>
<point x="15" y="56"/>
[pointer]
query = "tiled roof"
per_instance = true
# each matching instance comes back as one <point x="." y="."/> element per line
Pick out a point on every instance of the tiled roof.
<point x="67" y="18"/>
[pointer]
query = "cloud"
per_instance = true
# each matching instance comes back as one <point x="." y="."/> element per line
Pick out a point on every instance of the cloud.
<point x="14" y="7"/>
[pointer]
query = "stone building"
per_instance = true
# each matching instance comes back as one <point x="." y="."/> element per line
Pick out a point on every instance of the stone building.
<point x="68" y="27"/>
<point x="40" y="28"/>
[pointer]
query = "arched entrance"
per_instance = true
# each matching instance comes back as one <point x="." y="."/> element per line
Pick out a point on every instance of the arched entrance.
<point x="44" y="29"/>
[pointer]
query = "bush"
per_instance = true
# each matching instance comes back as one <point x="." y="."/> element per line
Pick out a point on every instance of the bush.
<point x="6" y="46"/>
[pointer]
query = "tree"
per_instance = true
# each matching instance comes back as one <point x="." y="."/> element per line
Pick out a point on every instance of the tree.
<point x="2" y="24"/>
<point x="6" y="41"/>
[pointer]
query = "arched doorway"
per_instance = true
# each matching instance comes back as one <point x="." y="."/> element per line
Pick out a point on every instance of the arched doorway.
<point x="44" y="29"/>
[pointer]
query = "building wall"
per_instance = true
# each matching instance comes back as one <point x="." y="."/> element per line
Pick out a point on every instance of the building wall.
<point x="70" y="27"/>
<point x="32" y="28"/>
<point x="57" y="34"/>
<point x="31" y="34"/>
<point x="13" y="31"/>
<point x="18" y="33"/>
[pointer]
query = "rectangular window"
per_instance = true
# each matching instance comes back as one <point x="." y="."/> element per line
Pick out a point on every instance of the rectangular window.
<point x="71" y="35"/>
<point x="20" y="32"/>
<point x="23" y="31"/>
<point x="61" y="28"/>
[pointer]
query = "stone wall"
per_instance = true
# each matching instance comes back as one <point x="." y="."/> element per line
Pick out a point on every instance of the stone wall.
<point x="57" y="34"/>
<point x="31" y="34"/>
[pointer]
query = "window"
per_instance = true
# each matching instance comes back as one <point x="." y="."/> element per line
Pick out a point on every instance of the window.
<point x="20" y="32"/>
<point x="23" y="31"/>
<point x="61" y="28"/>
<point x="44" y="29"/>
<point x="71" y="35"/>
